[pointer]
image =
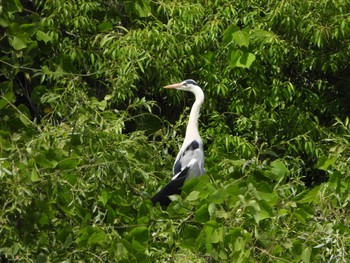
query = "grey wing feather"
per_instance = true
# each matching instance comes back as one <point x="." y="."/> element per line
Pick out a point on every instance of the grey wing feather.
<point x="190" y="155"/>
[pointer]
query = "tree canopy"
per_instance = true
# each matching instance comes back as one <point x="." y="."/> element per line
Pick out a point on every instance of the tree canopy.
<point x="87" y="134"/>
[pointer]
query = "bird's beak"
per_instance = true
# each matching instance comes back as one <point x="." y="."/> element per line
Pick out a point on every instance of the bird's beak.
<point x="173" y="86"/>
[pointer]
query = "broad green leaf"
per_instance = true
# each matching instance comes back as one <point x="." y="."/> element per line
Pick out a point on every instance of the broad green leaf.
<point x="265" y="210"/>
<point x="69" y="163"/>
<point x="241" y="59"/>
<point x="105" y="26"/>
<point x="234" y="58"/>
<point x="17" y="42"/>
<point x="246" y="59"/>
<point x="138" y="246"/>
<point x="45" y="163"/>
<point x="278" y="170"/>
<point x="335" y="181"/>
<point x="99" y="104"/>
<point x="189" y="243"/>
<point x="40" y="35"/>
<point x="239" y="244"/>
<point x="306" y="254"/>
<point x="6" y="99"/>
<point x="241" y="38"/>
<point x="4" y="22"/>
<point x="98" y="237"/>
<point x="84" y="235"/>
<point x="311" y="195"/>
<point x="72" y="178"/>
<point x="141" y="234"/>
<point x="324" y="162"/>
<point x="103" y="197"/>
<point x="44" y="219"/>
<point x="212" y="209"/>
<point x="34" y="176"/>
<point x="215" y="236"/>
<point x="228" y="34"/>
<point x="193" y="196"/>
<point x="202" y="214"/>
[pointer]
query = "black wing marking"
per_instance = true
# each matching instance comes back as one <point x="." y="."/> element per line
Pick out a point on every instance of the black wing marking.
<point x="172" y="188"/>
<point x="191" y="147"/>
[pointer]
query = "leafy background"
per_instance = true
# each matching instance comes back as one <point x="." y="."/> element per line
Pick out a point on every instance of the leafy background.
<point x="87" y="135"/>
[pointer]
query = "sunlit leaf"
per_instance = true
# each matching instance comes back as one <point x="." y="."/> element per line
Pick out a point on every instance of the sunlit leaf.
<point x="306" y="254"/>
<point x="40" y="35"/>
<point x="228" y="34"/>
<point x="324" y="162"/>
<point x="241" y="59"/>
<point x="279" y="170"/>
<point x="193" y="196"/>
<point x="311" y="195"/>
<point x="241" y="37"/>
<point x="17" y="43"/>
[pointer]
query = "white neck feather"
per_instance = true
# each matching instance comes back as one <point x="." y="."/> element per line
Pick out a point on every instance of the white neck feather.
<point x="192" y="126"/>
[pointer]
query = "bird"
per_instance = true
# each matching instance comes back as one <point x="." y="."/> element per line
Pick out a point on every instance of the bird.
<point x="189" y="162"/>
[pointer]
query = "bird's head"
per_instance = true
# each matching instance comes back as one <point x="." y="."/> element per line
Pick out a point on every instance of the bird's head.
<point x="188" y="85"/>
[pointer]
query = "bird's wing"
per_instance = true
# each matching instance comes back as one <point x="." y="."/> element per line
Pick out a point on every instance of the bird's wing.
<point x="172" y="188"/>
<point x="188" y="164"/>
<point x="188" y="153"/>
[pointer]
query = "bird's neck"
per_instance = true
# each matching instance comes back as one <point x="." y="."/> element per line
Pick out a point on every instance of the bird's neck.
<point x="192" y="127"/>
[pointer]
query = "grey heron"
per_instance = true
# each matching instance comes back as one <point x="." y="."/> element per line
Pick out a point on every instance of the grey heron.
<point x="189" y="162"/>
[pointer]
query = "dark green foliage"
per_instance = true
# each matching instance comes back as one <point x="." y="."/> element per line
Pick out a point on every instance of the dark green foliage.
<point x="87" y="135"/>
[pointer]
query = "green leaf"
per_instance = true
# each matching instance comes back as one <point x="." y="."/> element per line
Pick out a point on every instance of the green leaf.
<point x="189" y="243"/>
<point x="98" y="237"/>
<point x="306" y="254"/>
<point x="8" y="98"/>
<point x="278" y="170"/>
<point x="103" y="197"/>
<point x="228" y="34"/>
<point x="105" y="26"/>
<point x="141" y="234"/>
<point x="311" y="195"/>
<point x="241" y="59"/>
<point x="17" y="43"/>
<point x="241" y="38"/>
<point x="335" y="181"/>
<point x="99" y="104"/>
<point x="34" y="176"/>
<point x="324" y="162"/>
<point x="69" y="163"/>
<point x="42" y="36"/>
<point x="44" y="219"/>
<point x="193" y="196"/>
<point x="13" y="6"/>
<point x="45" y="162"/>
<point x="4" y="22"/>
<point x="234" y="58"/>
<point x="265" y="210"/>
<point x="247" y="60"/>
<point x="202" y="214"/>
<point x="142" y="8"/>
<point x="212" y="209"/>
<point x="138" y="246"/>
